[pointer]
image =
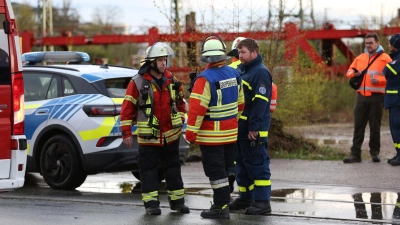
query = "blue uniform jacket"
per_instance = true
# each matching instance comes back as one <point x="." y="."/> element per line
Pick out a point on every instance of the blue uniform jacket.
<point x="226" y="79"/>
<point x="257" y="86"/>
<point x="392" y="74"/>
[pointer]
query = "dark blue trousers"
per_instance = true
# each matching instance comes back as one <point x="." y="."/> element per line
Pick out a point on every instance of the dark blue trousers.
<point x="394" y="122"/>
<point x="252" y="171"/>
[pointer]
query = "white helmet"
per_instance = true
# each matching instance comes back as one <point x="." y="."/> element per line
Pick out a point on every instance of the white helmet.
<point x="213" y="50"/>
<point x="158" y="49"/>
<point x="234" y="51"/>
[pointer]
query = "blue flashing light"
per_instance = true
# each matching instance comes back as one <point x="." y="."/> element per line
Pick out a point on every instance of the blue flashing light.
<point x="58" y="57"/>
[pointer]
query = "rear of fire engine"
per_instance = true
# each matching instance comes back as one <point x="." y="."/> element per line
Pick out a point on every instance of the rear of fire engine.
<point x="12" y="139"/>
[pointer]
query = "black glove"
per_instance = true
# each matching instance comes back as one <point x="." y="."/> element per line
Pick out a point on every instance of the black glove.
<point x="192" y="75"/>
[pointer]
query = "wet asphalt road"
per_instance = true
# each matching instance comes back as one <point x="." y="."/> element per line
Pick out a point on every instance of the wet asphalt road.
<point x="304" y="192"/>
<point x="39" y="212"/>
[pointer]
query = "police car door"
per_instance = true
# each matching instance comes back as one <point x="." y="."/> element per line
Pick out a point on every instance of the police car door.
<point x="41" y="97"/>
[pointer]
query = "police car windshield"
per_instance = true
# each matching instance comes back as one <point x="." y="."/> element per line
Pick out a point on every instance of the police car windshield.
<point x="116" y="88"/>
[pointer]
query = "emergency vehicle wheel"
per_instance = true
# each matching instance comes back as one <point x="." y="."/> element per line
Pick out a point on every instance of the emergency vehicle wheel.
<point x="59" y="163"/>
<point x="161" y="177"/>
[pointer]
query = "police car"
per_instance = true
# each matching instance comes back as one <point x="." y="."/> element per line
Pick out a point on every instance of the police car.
<point x="72" y="120"/>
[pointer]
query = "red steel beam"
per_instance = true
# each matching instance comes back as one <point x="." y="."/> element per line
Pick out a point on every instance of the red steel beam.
<point x="154" y="36"/>
<point x="294" y="38"/>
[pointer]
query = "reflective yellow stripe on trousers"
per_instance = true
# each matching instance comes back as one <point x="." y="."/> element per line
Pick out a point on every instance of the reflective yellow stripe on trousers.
<point x="262" y="182"/>
<point x="246" y="189"/>
<point x="151" y="196"/>
<point x="177" y="194"/>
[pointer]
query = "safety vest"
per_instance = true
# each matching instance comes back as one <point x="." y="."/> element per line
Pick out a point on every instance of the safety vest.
<point x="374" y="72"/>
<point x="150" y="129"/>
<point x="274" y="97"/>
<point x="213" y="115"/>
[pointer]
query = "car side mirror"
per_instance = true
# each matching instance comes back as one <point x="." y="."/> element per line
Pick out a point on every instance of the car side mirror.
<point x="6" y="27"/>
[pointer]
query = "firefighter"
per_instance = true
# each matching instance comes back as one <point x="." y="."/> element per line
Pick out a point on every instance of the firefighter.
<point x="252" y="160"/>
<point x="392" y="100"/>
<point x="214" y="104"/>
<point x="235" y="63"/>
<point x="154" y="99"/>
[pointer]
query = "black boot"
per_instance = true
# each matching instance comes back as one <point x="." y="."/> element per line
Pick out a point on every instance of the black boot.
<point x="181" y="208"/>
<point x="153" y="210"/>
<point x="240" y="203"/>
<point x="258" y="207"/>
<point x="352" y="159"/>
<point x="389" y="160"/>
<point x="216" y="212"/>
<point x="395" y="162"/>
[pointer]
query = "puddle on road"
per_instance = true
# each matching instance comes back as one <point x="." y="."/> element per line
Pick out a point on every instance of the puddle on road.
<point x="378" y="206"/>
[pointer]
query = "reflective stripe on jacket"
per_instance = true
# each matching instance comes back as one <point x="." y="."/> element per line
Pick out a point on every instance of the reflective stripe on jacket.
<point x="159" y="102"/>
<point x="257" y="86"/>
<point x="214" y="106"/>
<point x="374" y="72"/>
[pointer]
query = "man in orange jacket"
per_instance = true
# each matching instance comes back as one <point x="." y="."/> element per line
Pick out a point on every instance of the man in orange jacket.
<point x="370" y="95"/>
<point x="215" y="104"/>
<point x="154" y="99"/>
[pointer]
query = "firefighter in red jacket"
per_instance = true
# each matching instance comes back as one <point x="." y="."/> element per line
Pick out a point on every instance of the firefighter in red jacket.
<point x="154" y="99"/>
<point x="215" y="103"/>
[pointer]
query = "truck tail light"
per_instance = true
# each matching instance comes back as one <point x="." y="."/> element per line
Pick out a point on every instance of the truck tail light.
<point x="18" y="103"/>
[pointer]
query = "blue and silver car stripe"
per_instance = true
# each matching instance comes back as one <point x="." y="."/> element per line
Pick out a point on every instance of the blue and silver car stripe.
<point x="73" y="104"/>
<point x="69" y="104"/>
<point x="63" y="104"/>
<point x="79" y="107"/>
<point x="91" y="78"/>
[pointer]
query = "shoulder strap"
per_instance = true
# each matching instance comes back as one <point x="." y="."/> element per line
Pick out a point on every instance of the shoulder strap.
<point x="144" y="89"/>
<point x="373" y="60"/>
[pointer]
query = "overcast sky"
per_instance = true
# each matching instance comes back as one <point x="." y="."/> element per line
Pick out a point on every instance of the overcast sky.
<point x="138" y="14"/>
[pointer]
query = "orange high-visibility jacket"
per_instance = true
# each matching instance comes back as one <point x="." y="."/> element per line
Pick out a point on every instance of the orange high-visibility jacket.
<point x="374" y="71"/>
<point x="274" y="97"/>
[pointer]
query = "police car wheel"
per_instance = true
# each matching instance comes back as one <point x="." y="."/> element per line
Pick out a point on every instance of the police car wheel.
<point x="161" y="177"/>
<point x="59" y="163"/>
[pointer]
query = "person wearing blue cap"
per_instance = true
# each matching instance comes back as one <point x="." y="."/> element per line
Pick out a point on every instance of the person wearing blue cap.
<point x="392" y="97"/>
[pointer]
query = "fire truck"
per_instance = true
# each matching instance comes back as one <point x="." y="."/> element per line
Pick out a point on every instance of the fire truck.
<point x="13" y="143"/>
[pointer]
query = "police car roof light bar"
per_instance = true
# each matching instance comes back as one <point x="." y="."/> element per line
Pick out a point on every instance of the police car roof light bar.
<point x="38" y="57"/>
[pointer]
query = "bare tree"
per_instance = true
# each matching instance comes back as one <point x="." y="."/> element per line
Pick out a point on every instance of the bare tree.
<point x="66" y="17"/>
<point x="25" y="16"/>
<point x="105" y="18"/>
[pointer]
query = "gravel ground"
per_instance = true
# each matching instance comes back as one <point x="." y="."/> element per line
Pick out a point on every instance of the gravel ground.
<point x="340" y="136"/>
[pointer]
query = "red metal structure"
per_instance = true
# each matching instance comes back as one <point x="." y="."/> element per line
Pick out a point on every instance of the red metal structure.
<point x="293" y="37"/>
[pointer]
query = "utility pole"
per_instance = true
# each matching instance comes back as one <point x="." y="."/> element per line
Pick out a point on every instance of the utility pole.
<point x="45" y="19"/>
<point x="176" y="8"/>
<point x="305" y="13"/>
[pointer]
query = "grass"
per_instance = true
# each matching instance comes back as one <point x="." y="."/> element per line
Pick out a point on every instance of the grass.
<point x="313" y="153"/>
<point x="320" y="153"/>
